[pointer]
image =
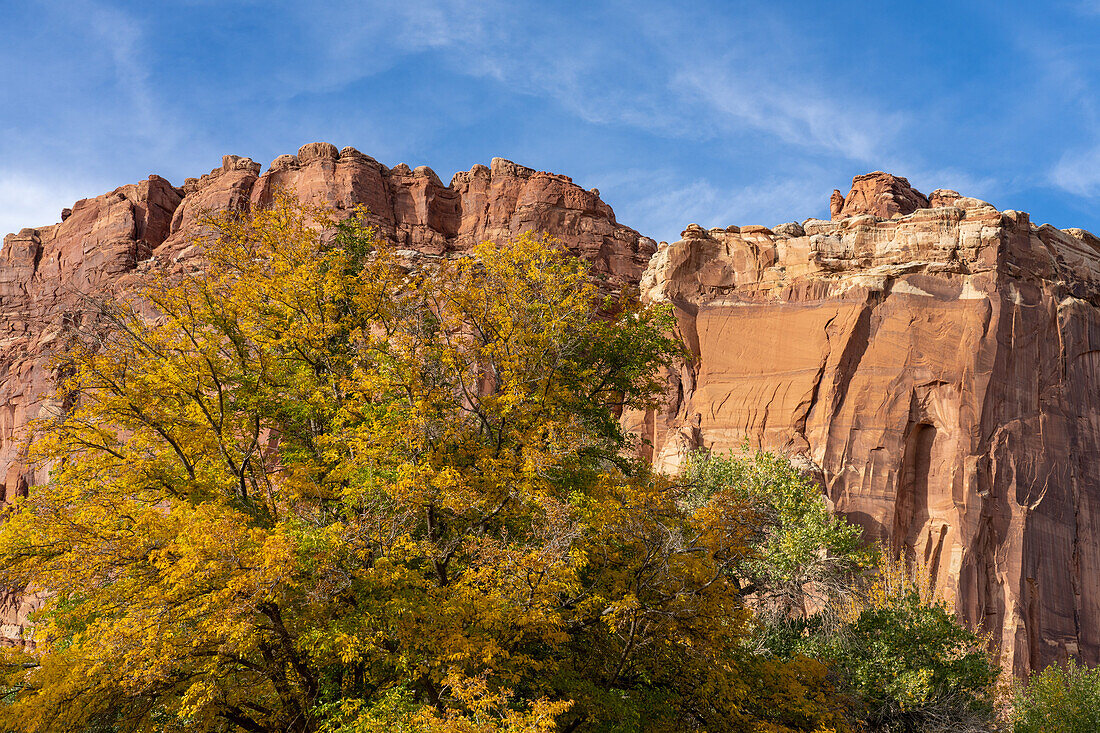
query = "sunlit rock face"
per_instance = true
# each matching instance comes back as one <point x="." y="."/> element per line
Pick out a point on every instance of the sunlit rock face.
<point x="48" y="274"/>
<point x="879" y="194"/>
<point x="937" y="363"/>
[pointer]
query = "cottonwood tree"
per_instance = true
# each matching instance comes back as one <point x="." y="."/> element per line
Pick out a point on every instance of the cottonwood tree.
<point x="309" y="486"/>
<point x="894" y="646"/>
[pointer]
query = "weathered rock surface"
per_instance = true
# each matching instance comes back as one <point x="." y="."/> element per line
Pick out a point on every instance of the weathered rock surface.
<point x="101" y="243"/>
<point x="879" y="194"/>
<point x="414" y="210"/>
<point x="938" y="362"/>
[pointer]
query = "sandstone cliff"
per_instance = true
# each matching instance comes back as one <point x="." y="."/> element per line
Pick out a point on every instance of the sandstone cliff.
<point x="102" y="243"/>
<point x="937" y="362"/>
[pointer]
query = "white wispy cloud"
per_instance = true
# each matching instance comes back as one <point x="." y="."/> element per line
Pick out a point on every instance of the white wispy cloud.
<point x="87" y="65"/>
<point x="122" y="37"/>
<point x="27" y="200"/>
<point x="791" y="110"/>
<point x="344" y="41"/>
<point x="661" y="203"/>
<point x="738" y="91"/>
<point x="1078" y="172"/>
<point x="92" y="102"/>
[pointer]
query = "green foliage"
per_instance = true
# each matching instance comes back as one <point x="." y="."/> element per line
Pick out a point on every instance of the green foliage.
<point x="806" y="558"/>
<point x="1058" y="700"/>
<point x="899" y="655"/>
<point x="911" y="666"/>
<point x="313" y="488"/>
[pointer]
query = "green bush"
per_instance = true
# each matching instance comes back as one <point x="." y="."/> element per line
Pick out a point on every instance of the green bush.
<point x="911" y="666"/>
<point x="1058" y="700"/>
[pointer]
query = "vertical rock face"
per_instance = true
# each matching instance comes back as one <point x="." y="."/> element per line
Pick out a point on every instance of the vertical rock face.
<point x="46" y="273"/>
<point x="937" y="363"/>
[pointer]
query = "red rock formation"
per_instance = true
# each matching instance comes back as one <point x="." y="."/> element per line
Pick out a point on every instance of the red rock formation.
<point x="878" y="194"/>
<point x="45" y="272"/>
<point x="836" y="203"/>
<point x="413" y="209"/>
<point x="939" y="369"/>
<point x="934" y="360"/>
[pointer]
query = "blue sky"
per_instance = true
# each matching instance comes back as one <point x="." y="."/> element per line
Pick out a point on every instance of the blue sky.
<point x="715" y="113"/>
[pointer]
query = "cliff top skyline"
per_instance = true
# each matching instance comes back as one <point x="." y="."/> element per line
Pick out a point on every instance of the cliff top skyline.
<point x="714" y="115"/>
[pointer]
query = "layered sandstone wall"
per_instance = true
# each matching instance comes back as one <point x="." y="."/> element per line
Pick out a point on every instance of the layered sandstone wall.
<point x="47" y="274"/>
<point x="938" y="365"/>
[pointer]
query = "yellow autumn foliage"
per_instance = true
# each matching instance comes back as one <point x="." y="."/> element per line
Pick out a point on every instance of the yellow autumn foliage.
<point x="315" y="486"/>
